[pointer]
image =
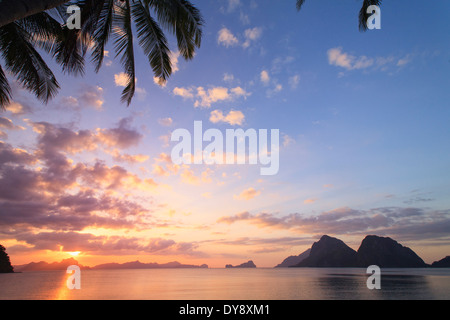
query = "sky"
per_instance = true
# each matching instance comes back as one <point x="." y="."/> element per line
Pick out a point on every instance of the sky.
<point x="364" y="142"/>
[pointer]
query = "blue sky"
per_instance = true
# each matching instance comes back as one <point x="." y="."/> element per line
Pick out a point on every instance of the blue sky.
<point x="364" y="135"/>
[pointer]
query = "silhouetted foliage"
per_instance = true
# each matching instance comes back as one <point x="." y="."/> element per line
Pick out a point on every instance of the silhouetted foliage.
<point x="5" y="264"/>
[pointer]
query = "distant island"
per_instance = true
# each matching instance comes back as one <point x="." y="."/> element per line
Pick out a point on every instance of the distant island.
<point x="45" y="266"/>
<point x="248" y="264"/>
<point x="140" y="265"/>
<point x="328" y="252"/>
<point x="384" y="252"/>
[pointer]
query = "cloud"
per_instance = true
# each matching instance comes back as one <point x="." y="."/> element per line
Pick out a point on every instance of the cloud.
<point x="294" y="81"/>
<point x="287" y="140"/>
<point x="404" y="61"/>
<point x="204" y="98"/>
<point x="18" y="108"/>
<point x="188" y="176"/>
<point x="119" y="156"/>
<point x="404" y="223"/>
<point x="70" y="101"/>
<point x="121" y="79"/>
<point x="232" y="118"/>
<point x="160" y="82"/>
<point x="338" y="58"/>
<point x="245" y="20"/>
<point x="264" y="77"/>
<point x="228" y="77"/>
<point x="309" y="201"/>
<point x="242" y="216"/>
<point x="164" y="166"/>
<point x="11" y="155"/>
<point x="233" y="4"/>
<point x="226" y="38"/>
<point x="53" y="139"/>
<point x="277" y="88"/>
<point x="183" y="92"/>
<point x="91" y="96"/>
<point x="344" y="60"/>
<point x="7" y="124"/>
<point x="89" y="243"/>
<point x="174" y="55"/>
<point x="248" y="194"/>
<point x="251" y="35"/>
<point x="141" y="93"/>
<point x="166" y="122"/>
<point x="217" y="94"/>
<point x="122" y="136"/>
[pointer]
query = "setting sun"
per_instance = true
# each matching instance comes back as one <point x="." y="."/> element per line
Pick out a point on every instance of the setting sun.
<point x="74" y="253"/>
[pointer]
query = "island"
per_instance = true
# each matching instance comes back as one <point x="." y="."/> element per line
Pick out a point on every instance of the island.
<point x="5" y="263"/>
<point x="384" y="252"/>
<point x="248" y="264"/>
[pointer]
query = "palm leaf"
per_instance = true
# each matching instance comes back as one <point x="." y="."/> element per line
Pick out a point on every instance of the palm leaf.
<point x="5" y="90"/>
<point x="101" y="35"/>
<point x="22" y="60"/>
<point x="43" y="28"/>
<point x="182" y="19"/>
<point x="124" y="47"/>
<point x="153" y="41"/>
<point x="300" y="4"/>
<point x="69" y="52"/>
<point x="72" y="45"/>
<point x="189" y="28"/>
<point x="363" y="15"/>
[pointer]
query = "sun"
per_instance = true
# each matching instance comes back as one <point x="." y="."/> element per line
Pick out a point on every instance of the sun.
<point x="74" y="253"/>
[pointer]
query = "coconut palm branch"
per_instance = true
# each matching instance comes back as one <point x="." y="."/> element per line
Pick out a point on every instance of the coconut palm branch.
<point x="178" y="17"/>
<point x="101" y="20"/>
<point x="20" y="57"/>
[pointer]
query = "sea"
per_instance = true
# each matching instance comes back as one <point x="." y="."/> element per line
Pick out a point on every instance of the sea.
<point x="229" y="284"/>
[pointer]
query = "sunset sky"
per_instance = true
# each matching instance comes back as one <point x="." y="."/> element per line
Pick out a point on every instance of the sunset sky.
<point x="364" y="122"/>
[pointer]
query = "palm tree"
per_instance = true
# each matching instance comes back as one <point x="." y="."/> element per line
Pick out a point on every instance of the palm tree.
<point x="101" y="19"/>
<point x="21" y="58"/>
<point x="363" y="15"/>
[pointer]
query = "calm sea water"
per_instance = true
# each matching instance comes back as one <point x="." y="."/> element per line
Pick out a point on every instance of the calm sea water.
<point x="229" y="284"/>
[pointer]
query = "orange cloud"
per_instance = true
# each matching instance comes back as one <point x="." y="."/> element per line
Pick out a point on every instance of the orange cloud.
<point x="248" y="194"/>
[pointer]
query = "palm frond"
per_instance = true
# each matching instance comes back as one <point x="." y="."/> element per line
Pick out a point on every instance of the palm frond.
<point x="300" y="4"/>
<point x="69" y="52"/>
<point x="363" y="15"/>
<point x="43" y="28"/>
<point x="124" y="47"/>
<point x="5" y="90"/>
<point x="153" y="41"/>
<point x="184" y="20"/>
<point x="102" y="33"/>
<point x="72" y="45"/>
<point x="22" y="60"/>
